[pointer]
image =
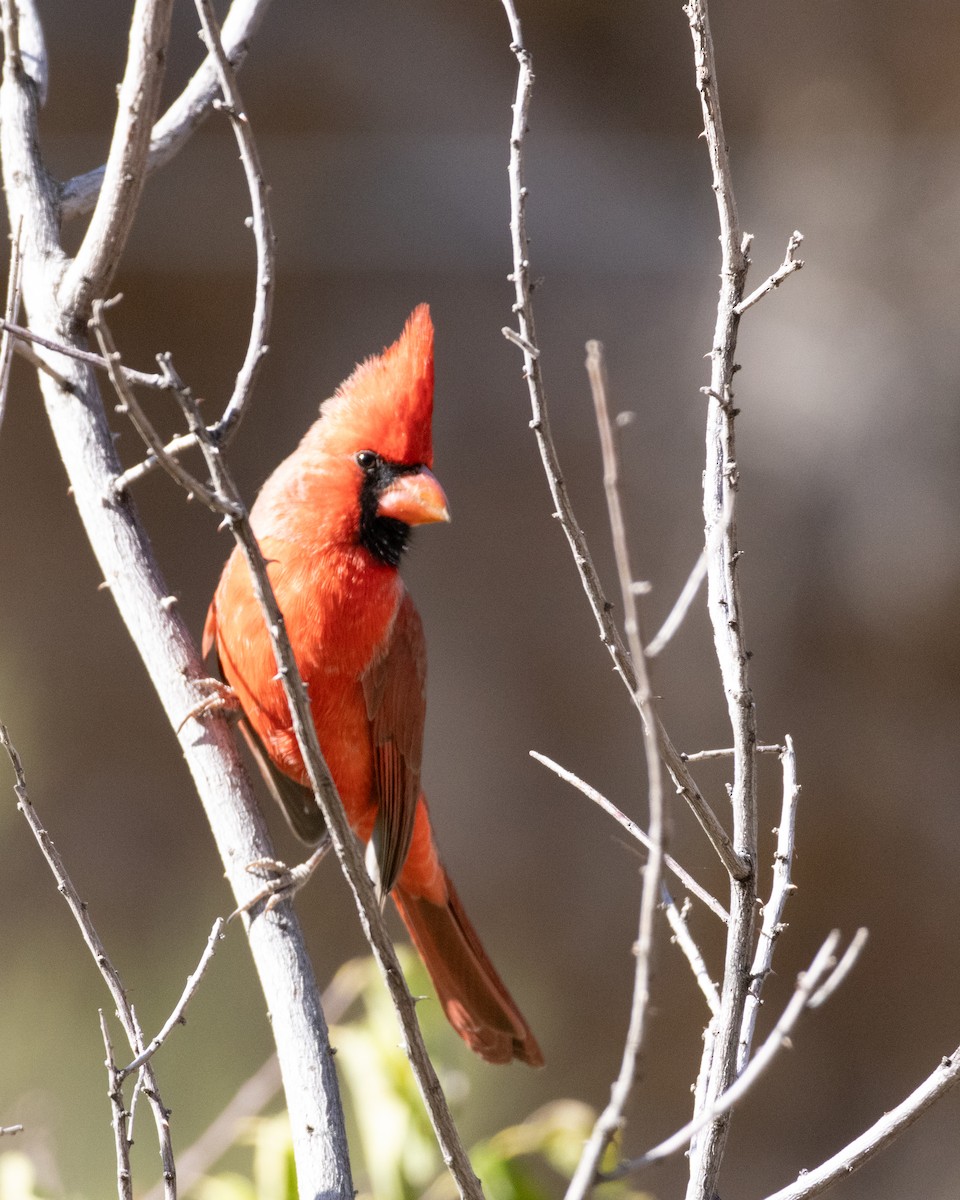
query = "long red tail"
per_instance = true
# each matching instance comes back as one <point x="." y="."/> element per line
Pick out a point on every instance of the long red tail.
<point x="473" y="995"/>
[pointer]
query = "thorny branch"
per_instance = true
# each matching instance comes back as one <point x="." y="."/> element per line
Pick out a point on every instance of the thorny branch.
<point x="526" y="339"/>
<point x="807" y="981"/>
<point x="719" y="1064"/>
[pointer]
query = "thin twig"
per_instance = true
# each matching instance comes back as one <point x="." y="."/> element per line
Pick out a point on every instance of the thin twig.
<point x="131" y="406"/>
<point x="844" y="967"/>
<point x="341" y="835"/>
<point x="189" y="991"/>
<point x="135" y="378"/>
<point x="263" y="234"/>
<point x="684" y="939"/>
<point x="781" y="887"/>
<point x="89" y="273"/>
<point x="254" y="1094"/>
<point x="184" y="115"/>
<point x="11" y="312"/>
<point x="611" y="1119"/>
<point x="853" y="1156"/>
<point x="634" y="830"/>
<point x="737" y="867"/>
<point x="688" y="593"/>
<point x="790" y="264"/>
<point x="779" y="1037"/>
<point x="106" y="968"/>
<point x="728" y="752"/>
<point x="118" y="1117"/>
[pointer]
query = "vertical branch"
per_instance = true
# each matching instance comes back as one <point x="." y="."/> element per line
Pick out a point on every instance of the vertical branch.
<point x="719" y="499"/>
<point x="611" y="1119"/>
<point x="119" y="541"/>
<point x="781" y="888"/>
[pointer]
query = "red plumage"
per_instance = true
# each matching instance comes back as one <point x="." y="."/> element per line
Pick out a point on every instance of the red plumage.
<point x="332" y="522"/>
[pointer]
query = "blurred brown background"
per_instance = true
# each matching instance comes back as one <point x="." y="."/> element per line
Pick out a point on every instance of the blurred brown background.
<point x="383" y="129"/>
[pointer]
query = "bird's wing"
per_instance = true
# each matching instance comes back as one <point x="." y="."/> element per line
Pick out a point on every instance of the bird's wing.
<point x="394" y="687"/>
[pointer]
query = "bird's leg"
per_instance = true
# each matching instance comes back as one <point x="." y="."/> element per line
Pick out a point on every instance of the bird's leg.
<point x="286" y="881"/>
<point x="221" y="699"/>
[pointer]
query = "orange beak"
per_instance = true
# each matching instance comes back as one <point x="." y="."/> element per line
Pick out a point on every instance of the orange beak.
<point x="415" y="499"/>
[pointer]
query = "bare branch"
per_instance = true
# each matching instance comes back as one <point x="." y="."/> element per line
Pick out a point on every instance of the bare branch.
<point x="781" y="888"/>
<point x="11" y="312"/>
<point x="254" y="1094"/>
<point x="790" y="264"/>
<point x="189" y="991"/>
<point x="843" y="969"/>
<point x="118" y="1117"/>
<point x="688" y="593"/>
<point x="131" y="406"/>
<point x="106" y="968"/>
<point x="89" y="275"/>
<point x="634" y="830"/>
<point x="611" y="1119"/>
<point x="723" y="604"/>
<point x="173" y="448"/>
<point x="185" y="114"/>
<point x="779" y="1037"/>
<point x="590" y="580"/>
<point x="135" y="378"/>
<point x="260" y="223"/>
<point x="853" y="1156"/>
<point x="707" y="755"/>
<point x="159" y="632"/>
<point x="684" y="939"/>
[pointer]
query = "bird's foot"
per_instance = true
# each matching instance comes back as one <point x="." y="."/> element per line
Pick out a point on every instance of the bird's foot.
<point x="221" y="699"/>
<point x="284" y="882"/>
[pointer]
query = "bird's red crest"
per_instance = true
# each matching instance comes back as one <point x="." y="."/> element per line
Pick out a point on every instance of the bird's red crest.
<point x="387" y="403"/>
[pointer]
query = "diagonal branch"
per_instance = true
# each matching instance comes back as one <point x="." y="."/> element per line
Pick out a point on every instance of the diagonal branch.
<point x="634" y="830"/>
<point x="807" y="981"/>
<point x="344" y="842"/>
<point x="88" y="277"/>
<point x="853" y="1156"/>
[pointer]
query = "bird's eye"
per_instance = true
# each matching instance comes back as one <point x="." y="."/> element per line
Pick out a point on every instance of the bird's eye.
<point x="366" y="460"/>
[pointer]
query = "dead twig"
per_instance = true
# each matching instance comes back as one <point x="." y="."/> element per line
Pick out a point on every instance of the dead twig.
<point x="96" y="947"/>
<point x="790" y="264"/>
<point x="634" y="830"/>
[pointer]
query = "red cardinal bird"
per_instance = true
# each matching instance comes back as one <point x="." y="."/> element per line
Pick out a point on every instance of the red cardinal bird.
<point x="332" y="522"/>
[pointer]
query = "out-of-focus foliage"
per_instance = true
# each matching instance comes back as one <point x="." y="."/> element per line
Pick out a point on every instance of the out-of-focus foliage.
<point x="273" y="1176"/>
<point x="394" y="1153"/>
<point x="18" y="1178"/>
